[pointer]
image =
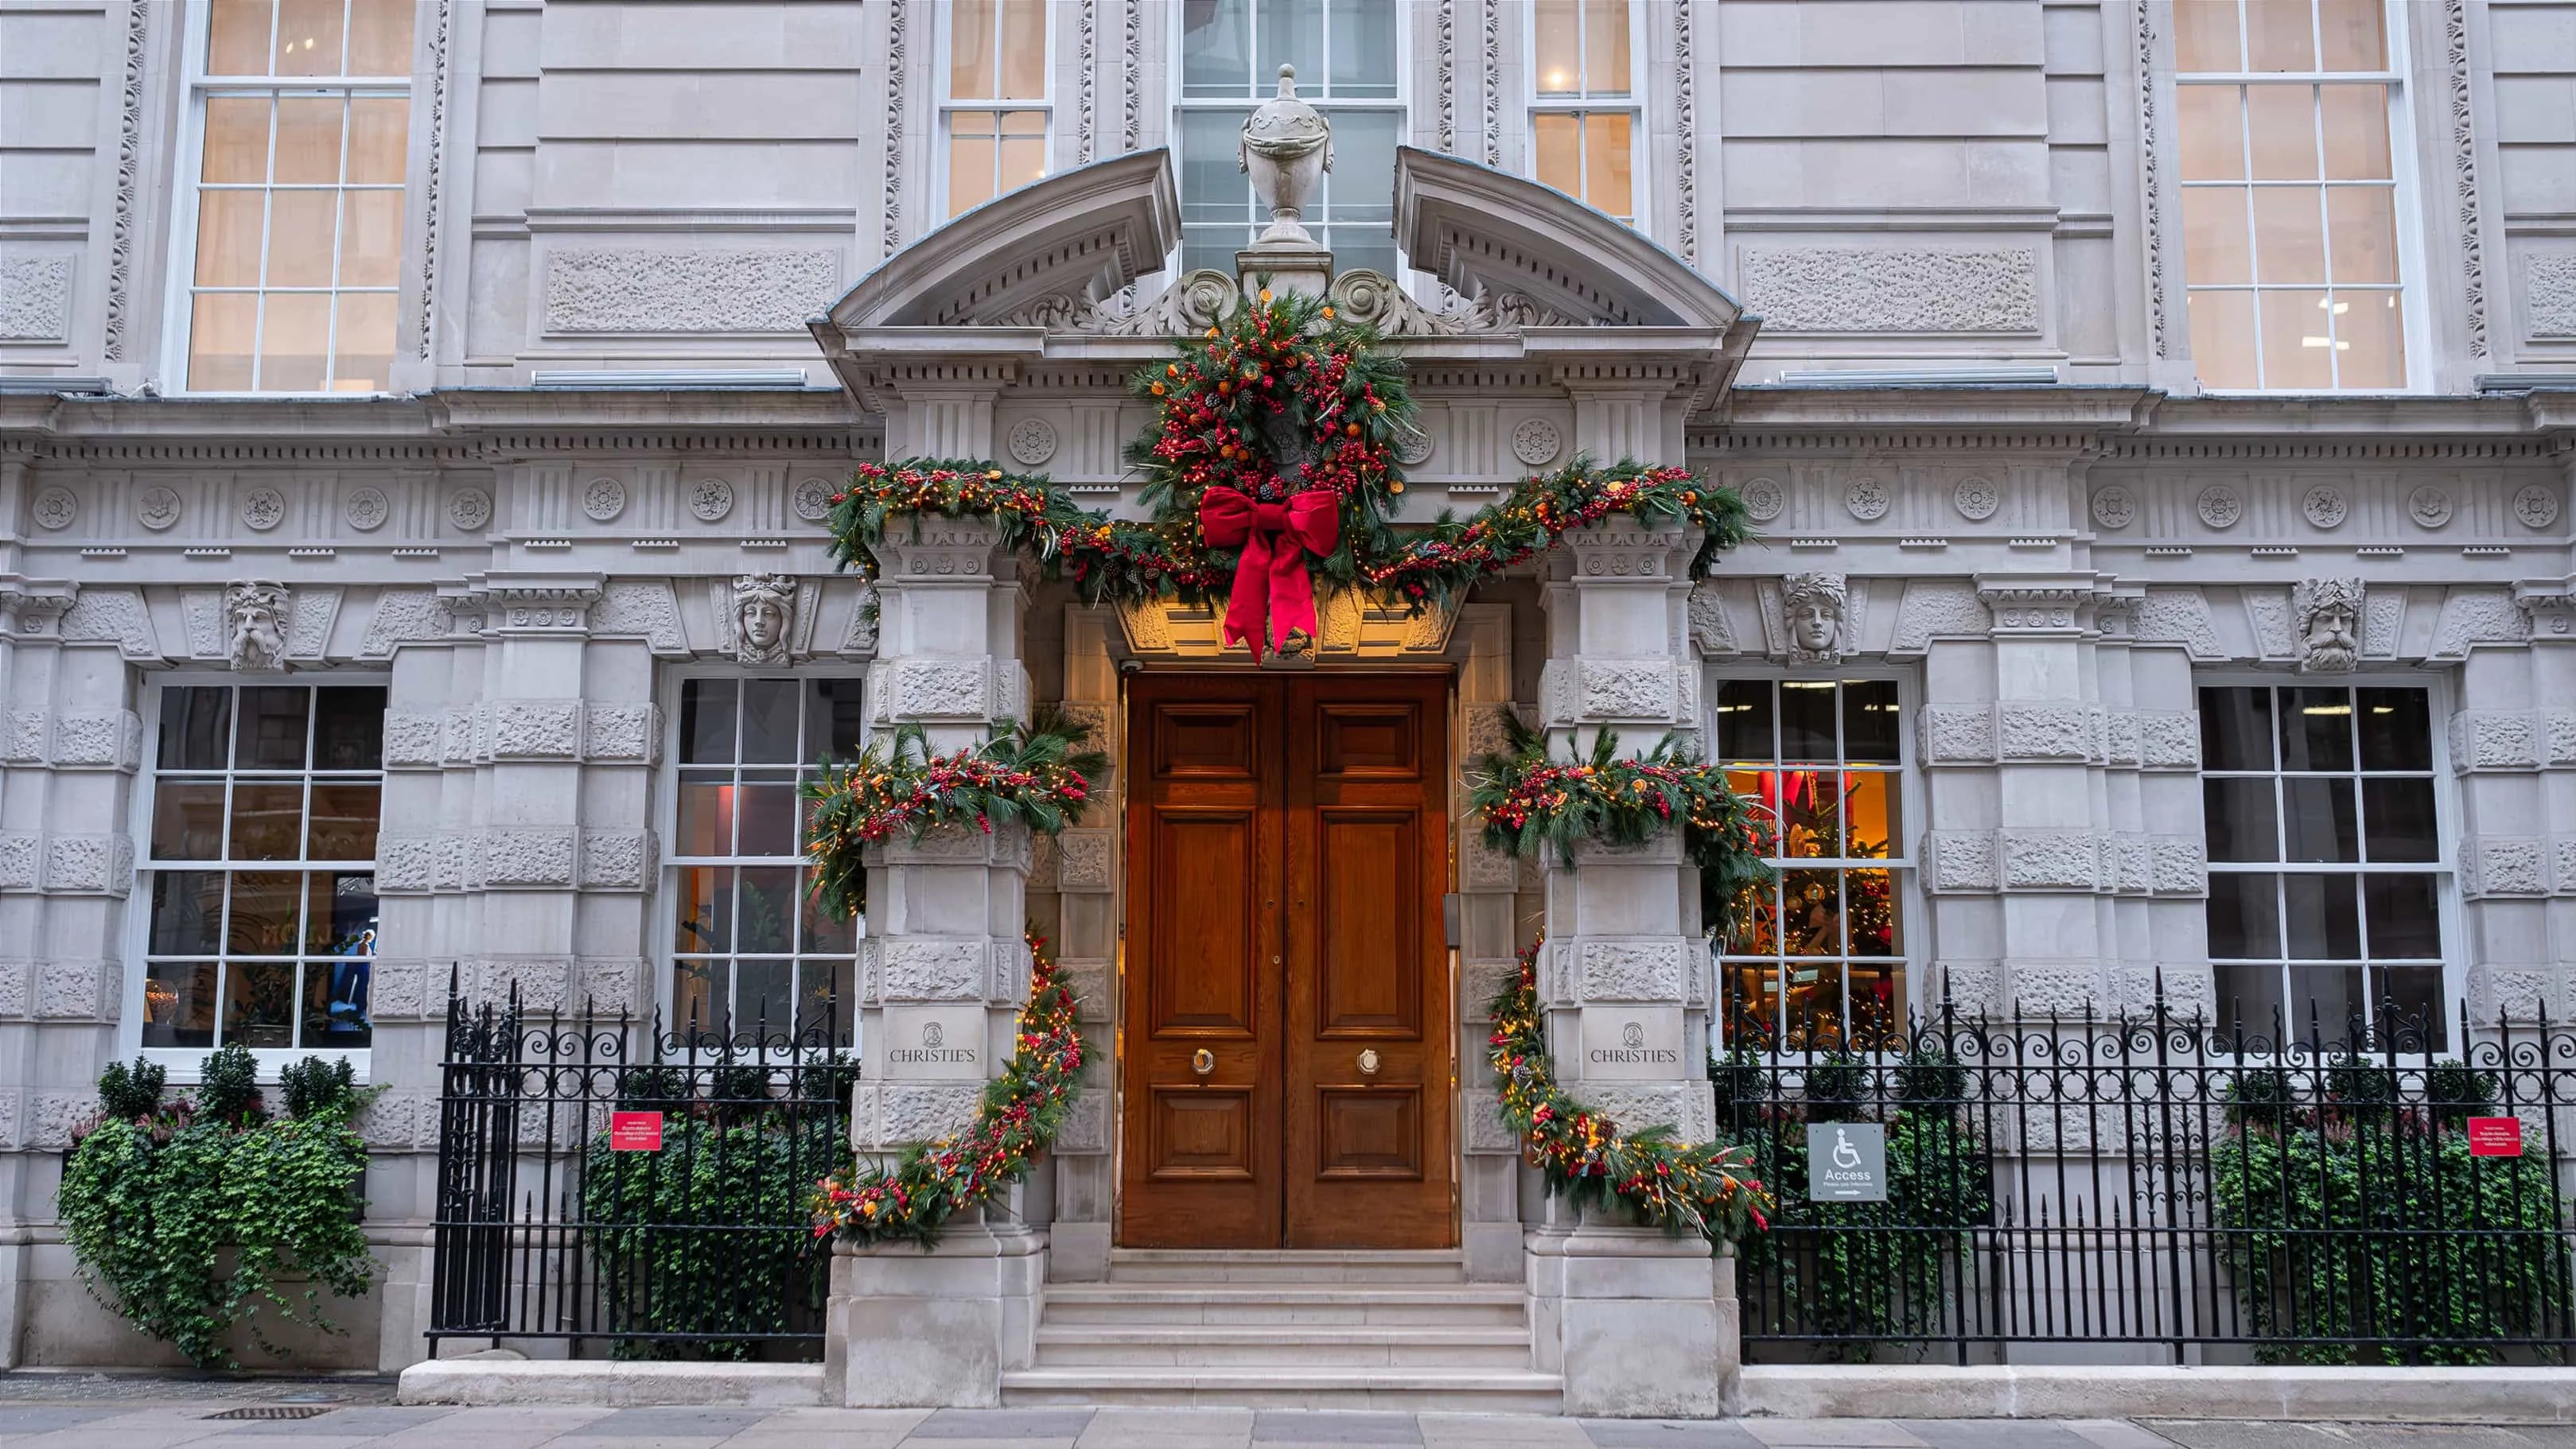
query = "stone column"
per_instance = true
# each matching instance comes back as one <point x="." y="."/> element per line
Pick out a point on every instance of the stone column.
<point x="1627" y="1313"/>
<point x="1488" y="959"/>
<point x="1085" y="876"/>
<point x="944" y="967"/>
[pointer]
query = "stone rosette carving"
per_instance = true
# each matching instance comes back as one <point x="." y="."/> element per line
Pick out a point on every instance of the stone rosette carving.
<point x="366" y="509"/>
<point x="469" y="509"/>
<point x="763" y="618"/>
<point x="2325" y="620"/>
<point x="1867" y="499"/>
<point x="2325" y="507"/>
<point x="1536" y="441"/>
<point x="255" y="627"/>
<point x="2536" y="506"/>
<point x="1762" y="499"/>
<point x="1031" y="441"/>
<point x="1976" y="499"/>
<point x="2115" y="506"/>
<point x="1813" y="617"/>
<point x="55" y="509"/>
<point x="2220" y="506"/>
<point x="2430" y="507"/>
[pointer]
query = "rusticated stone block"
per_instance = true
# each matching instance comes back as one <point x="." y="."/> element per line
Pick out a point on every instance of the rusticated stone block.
<point x="413" y="739"/>
<point x="1689" y="1108"/>
<point x="1961" y="861"/>
<point x="2043" y="732"/>
<point x="1629" y="689"/>
<point x="19" y="855"/>
<point x="1951" y="734"/>
<point x="618" y="733"/>
<point x="89" y="864"/>
<point x="76" y="991"/>
<point x="926" y="968"/>
<point x="90" y="740"/>
<point x="1488" y="1131"/>
<point x="406" y="864"/>
<point x="1649" y="970"/>
<point x="528" y="857"/>
<point x="614" y="985"/>
<point x="2181" y="866"/>
<point x="2038" y="990"/>
<point x="55" y="1116"/>
<point x="2494" y="740"/>
<point x="22" y="742"/>
<point x="1086" y="1127"/>
<point x="2168" y="740"/>
<point x="15" y="997"/>
<point x="1085" y="860"/>
<point x="617" y="859"/>
<point x="937" y="689"/>
<point x="1090" y="983"/>
<point x="398" y="990"/>
<point x="896" y="1114"/>
<point x="536" y="729"/>
<point x="2049" y="860"/>
<point x="2506" y="866"/>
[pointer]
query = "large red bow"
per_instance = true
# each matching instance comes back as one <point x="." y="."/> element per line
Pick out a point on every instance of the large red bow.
<point x="1270" y="584"/>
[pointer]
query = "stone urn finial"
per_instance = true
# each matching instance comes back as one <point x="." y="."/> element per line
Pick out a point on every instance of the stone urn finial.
<point x="1287" y="147"/>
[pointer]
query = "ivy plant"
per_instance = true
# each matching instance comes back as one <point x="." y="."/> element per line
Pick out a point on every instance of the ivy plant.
<point x="192" y="1217"/>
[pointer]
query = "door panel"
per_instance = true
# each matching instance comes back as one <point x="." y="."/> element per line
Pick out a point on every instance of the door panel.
<point x="1288" y="845"/>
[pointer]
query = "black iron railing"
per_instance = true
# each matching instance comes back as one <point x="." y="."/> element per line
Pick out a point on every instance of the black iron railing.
<point x="605" y="1179"/>
<point x="2145" y="1178"/>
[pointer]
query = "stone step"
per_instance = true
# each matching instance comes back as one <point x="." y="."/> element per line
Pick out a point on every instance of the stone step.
<point x="1419" y="1389"/>
<point x="1285" y="1265"/>
<point x="1493" y="1305"/>
<point x="1062" y="1345"/>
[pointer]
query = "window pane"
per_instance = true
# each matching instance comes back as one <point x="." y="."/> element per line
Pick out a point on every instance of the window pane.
<point x="704" y="909"/>
<point x="1556" y="146"/>
<point x="2356" y="132"/>
<point x="2405" y="916"/>
<point x="766" y="919"/>
<point x="344" y="822"/>
<point x="264" y="910"/>
<point x="1744" y="720"/>
<point x="2281" y="121"/>
<point x="2316" y="729"/>
<point x="188" y="820"/>
<point x="1870" y="896"/>
<point x="380" y="34"/>
<point x="2211" y="127"/>
<point x="1216" y="43"/>
<point x="187" y="913"/>
<point x="2217" y="247"/>
<point x="1752" y="926"/>
<point x="972" y="65"/>
<point x="2396" y="729"/>
<point x="236" y="140"/>
<point x="1807" y="720"/>
<point x="179" y="1004"/>
<point x="2355" y="34"/>
<point x="1815" y="1004"/>
<point x="1605" y="47"/>
<point x="1292" y="34"/>
<point x="2413" y="996"/>
<point x="2205" y="36"/>
<point x="308" y="139"/>
<point x="1811" y="914"/>
<point x="1023" y="157"/>
<point x="267" y="820"/>
<point x="2240" y="816"/>
<point x="834" y="725"/>
<point x="237" y="37"/>
<point x="698" y="997"/>
<point x="2370" y="340"/>
<point x="1870" y="815"/>
<point x="294" y="342"/>
<point x="2250" y="1002"/>
<point x="768" y="819"/>
<point x="1606" y="156"/>
<point x="1024" y="49"/>
<point x="2326" y="1002"/>
<point x="2222" y="338"/>
<point x="769" y="720"/>
<point x="706" y="814"/>
<point x="1870" y="730"/>
<point x="970" y="161"/>
<point x="303" y="227"/>
<point x="1363" y="45"/>
<point x="1559" y="40"/>
<point x="2318" y="820"/>
<point x="2290" y="236"/>
<point x="822" y="932"/>
<point x="827" y="1001"/>
<point x="764" y="997"/>
<point x="2278" y="35"/>
<point x="379" y="131"/>
<point x="363" y="347"/>
<point x="1810" y="815"/>
<point x="340" y="913"/>
<point x="2321" y="915"/>
<point x="2362" y="232"/>
<point x="349" y="728"/>
<point x="2397" y="820"/>
<point x="706" y="721"/>
<point x="309" y="39"/>
<point x="2244" y="916"/>
<point x="259" y="1002"/>
<point x="1877" y="992"/>
<point x="223" y="329"/>
<point x="2296" y="341"/>
<point x="196" y="728"/>
<point x="2235" y="729"/>
<point x="335" y="1003"/>
<point x="272" y="728"/>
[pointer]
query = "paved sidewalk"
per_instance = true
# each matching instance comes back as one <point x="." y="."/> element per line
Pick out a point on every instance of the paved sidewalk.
<point x="150" y="1419"/>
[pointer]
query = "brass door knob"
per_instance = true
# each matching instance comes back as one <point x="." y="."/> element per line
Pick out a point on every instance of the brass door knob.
<point x="1368" y="1063"/>
<point x="1202" y="1061"/>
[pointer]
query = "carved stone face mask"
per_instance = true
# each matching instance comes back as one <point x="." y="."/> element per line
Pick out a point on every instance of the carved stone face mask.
<point x="1815" y="625"/>
<point x="763" y="623"/>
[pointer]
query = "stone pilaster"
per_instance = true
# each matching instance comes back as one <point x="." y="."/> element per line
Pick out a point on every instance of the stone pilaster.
<point x="1489" y="939"/>
<point x="1628" y="1314"/>
<point x="942" y="974"/>
<point x="1083" y="868"/>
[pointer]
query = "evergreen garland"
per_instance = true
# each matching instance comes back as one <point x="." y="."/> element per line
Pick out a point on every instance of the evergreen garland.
<point x="1531" y="803"/>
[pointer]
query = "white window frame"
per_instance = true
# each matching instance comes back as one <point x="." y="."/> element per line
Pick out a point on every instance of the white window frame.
<point x="1309" y="88"/>
<point x="949" y="106"/>
<point x="2408" y="199"/>
<point x="1905" y="869"/>
<point x="185" y="1064"/>
<point x="1633" y="105"/>
<point x="179" y="294"/>
<point x="2438" y="707"/>
<point x="666" y="812"/>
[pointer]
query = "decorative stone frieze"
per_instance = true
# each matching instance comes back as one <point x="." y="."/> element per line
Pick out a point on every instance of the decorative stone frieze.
<point x="694" y="290"/>
<point x="2038" y="607"/>
<point x="1086" y="860"/>
<point x="2041" y="732"/>
<point x="110" y="741"/>
<point x="1937" y="609"/>
<point x="1979" y="862"/>
<point x="2472" y="617"/>
<point x="646" y="608"/>
<point x="2177" y="616"/>
<point x="535" y="607"/>
<point x="34" y="609"/>
<point x="923" y="968"/>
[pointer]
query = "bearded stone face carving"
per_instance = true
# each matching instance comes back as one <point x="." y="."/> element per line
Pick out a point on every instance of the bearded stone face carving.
<point x="2325" y="615"/>
<point x="255" y="627"/>
<point x="764" y="610"/>
<point x="1814" y="617"/>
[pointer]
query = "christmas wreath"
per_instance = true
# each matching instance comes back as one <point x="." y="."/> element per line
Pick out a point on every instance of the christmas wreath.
<point x="1273" y="463"/>
<point x="1021" y="1112"/>
<point x="1586" y="1158"/>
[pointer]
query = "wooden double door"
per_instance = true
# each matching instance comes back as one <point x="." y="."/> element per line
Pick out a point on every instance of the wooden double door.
<point x="1288" y="1037"/>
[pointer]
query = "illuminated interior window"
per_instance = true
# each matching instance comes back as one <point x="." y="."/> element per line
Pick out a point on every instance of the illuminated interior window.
<point x="997" y="53"/>
<point x="1584" y="121"/>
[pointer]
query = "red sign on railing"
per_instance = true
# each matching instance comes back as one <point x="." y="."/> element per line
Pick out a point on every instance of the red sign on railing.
<point x="2495" y="1137"/>
<point x="634" y="1131"/>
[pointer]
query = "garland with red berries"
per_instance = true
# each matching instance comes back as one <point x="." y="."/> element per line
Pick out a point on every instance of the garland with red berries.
<point x="1021" y="1112"/>
<point x="1586" y="1158"/>
<point x="1530" y="803"/>
<point x="1275" y="449"/>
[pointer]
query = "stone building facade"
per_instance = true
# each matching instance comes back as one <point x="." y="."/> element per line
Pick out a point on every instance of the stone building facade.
<point x="2163" y="549"/>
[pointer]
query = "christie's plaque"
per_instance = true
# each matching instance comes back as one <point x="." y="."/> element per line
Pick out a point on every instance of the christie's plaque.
<point x="937" y="1043"/>
<point x="1635" y="1043"/>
